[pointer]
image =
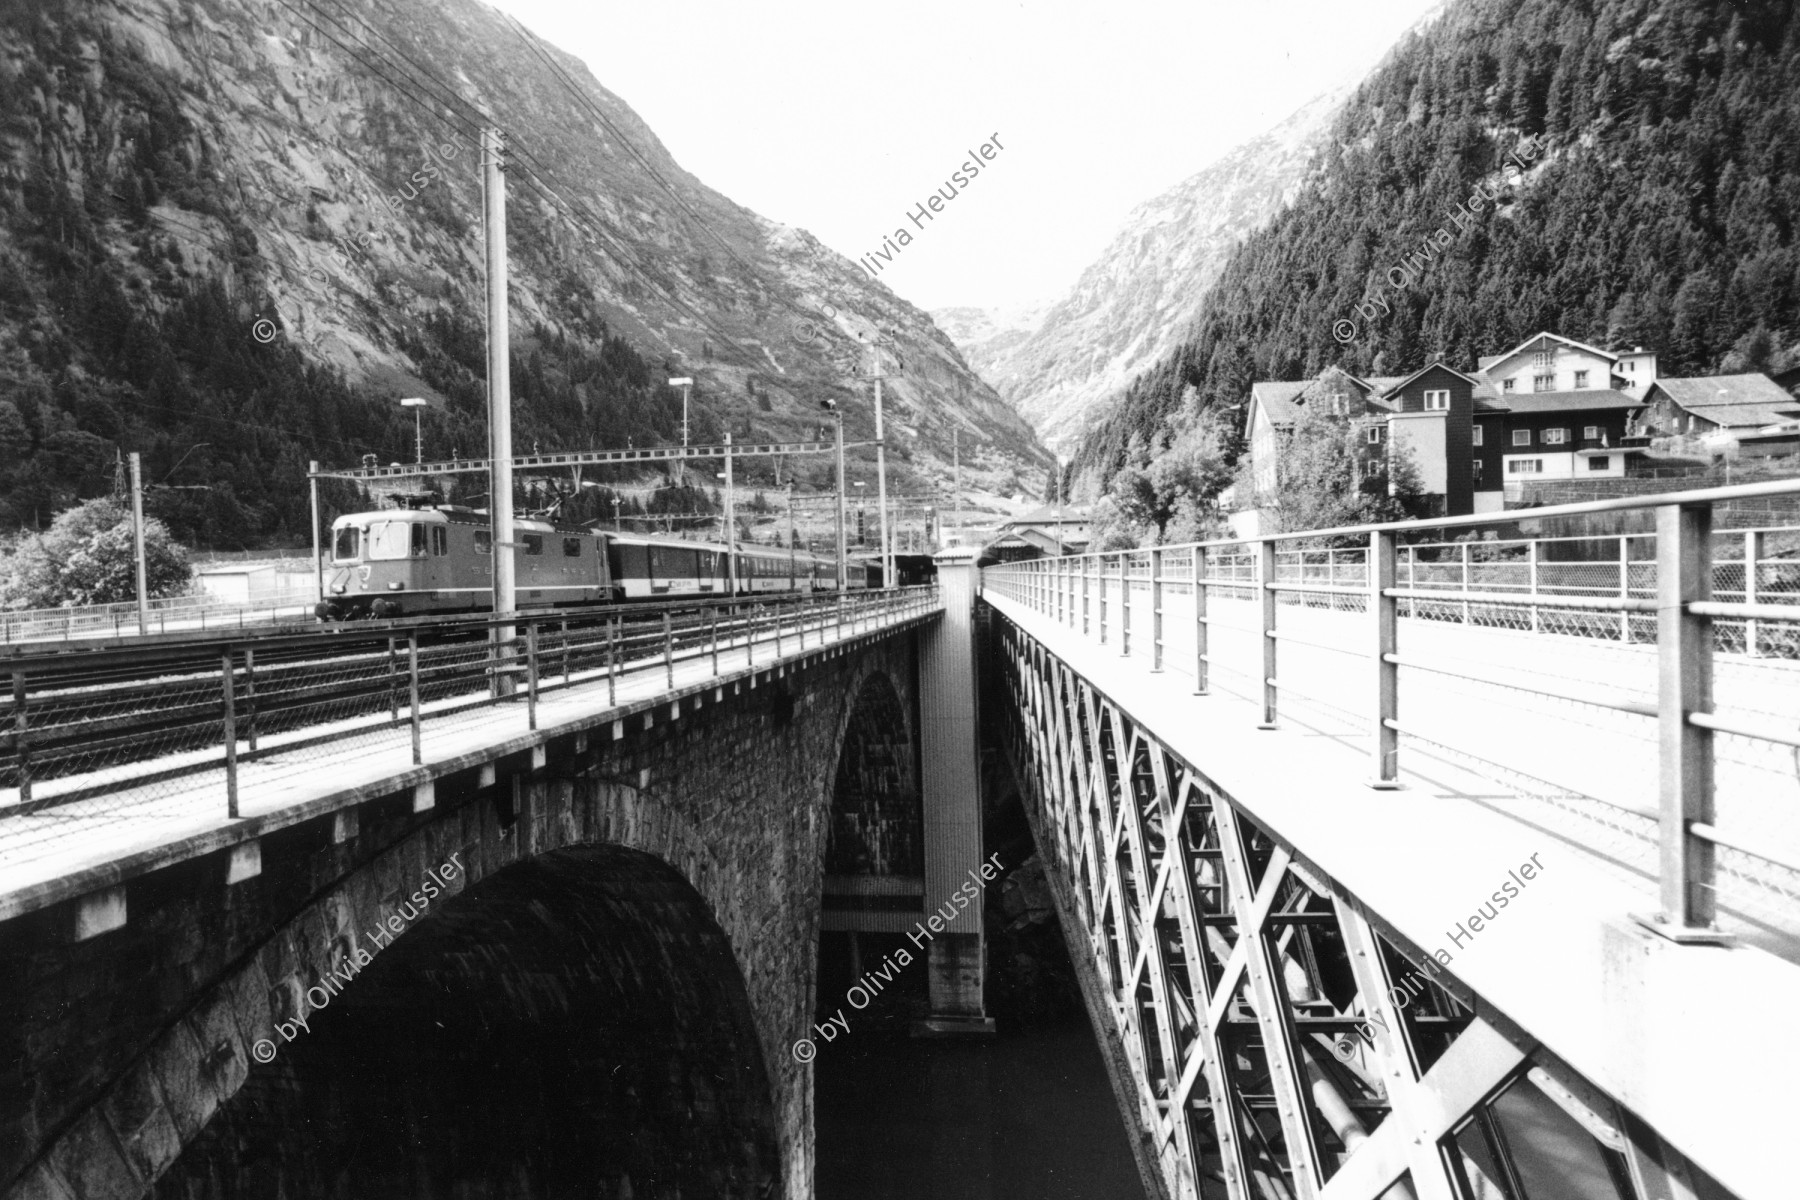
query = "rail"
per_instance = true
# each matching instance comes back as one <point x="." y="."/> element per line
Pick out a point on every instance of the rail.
<point x="129" y="726"/>
<point x="1667" y="610"/>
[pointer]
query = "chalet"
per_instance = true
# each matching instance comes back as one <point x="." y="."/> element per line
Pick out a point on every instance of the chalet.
<point x="1728" y="404"/>
<point x="1052" y="528"/>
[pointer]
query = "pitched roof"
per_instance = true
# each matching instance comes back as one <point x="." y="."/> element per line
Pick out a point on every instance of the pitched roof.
<point x="1047" y="514"/>
<point x="1709" y="395"/>
<point x="1387" y="388"/>
<point x="1490" y="361"/>
<point x="1575" y="401"/>
<point x="1276" y="397"/>
<point x="1745" y="416"/>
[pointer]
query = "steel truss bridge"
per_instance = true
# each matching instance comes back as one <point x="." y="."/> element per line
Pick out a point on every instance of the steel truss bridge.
<point x="1400" y="868"/>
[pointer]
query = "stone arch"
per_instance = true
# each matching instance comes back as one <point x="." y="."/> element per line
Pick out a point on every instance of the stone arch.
<point x="575" y="1023"/>
<point x="877" y="814"/>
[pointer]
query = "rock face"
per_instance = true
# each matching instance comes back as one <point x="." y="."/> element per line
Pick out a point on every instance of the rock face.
<point x="327" y="174"/>
<point x="1137" y="299"/>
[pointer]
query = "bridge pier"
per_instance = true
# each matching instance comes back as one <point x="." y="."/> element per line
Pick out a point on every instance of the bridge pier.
<point x="951" y="794"/>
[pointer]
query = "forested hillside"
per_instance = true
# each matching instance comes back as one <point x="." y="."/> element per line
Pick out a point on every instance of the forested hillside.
<point x="212" y="252"/>
<point x="1662" y="210"/>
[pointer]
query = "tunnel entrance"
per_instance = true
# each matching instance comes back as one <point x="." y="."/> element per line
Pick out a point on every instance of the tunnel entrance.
<point x="575" y="1025"/>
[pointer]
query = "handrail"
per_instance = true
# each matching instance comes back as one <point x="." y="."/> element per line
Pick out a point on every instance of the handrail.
<point x="1675" y="610"/>
<point x="80" y="726"/>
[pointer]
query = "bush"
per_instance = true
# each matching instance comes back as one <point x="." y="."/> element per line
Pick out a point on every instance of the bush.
<point x="86" y="557"/>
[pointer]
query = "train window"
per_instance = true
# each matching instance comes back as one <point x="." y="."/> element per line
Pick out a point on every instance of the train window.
<point x="484" y="542"/>
<point x="389" y="540"/>
<point x="349" y="544"/>
<point x="421" y="537"/>
<point x="440" y="540"/>
<point x="572" y="547"/>
<point x="534" y="544"/>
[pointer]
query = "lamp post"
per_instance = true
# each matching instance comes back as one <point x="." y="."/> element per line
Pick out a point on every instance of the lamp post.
<point x="862" y="513"/>
<point x="416" y="403"/>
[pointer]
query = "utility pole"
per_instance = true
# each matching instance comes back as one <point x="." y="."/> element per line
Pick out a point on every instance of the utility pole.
<point x="500" y="479"/>
<point x="730" y="517"/>
<point x="312" y="478"/>
<point x="956" y="453"/>
<point x="416" y="403"/>
<point x="792" y="567"/>
<point x="685" y="383"/>
<point x="837" y="418"/>
<point x="137" y="544"/>
<point x="887" y="549"/>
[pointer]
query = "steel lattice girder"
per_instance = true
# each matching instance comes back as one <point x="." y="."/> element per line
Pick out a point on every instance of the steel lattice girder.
<point x="1236" y="973"/>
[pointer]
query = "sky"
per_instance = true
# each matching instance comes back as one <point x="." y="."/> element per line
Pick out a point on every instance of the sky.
<point x="840" y="119"/>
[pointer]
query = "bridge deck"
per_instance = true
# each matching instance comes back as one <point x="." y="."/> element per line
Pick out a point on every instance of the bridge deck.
<point x="1637" y="1015"/>
<point x="145" y="822"/>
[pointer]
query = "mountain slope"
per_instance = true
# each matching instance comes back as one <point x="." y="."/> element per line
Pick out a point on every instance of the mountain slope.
<point x="255" y="225"/>
<point x="1139" y="296"/>
<point x="1662" y="209"/>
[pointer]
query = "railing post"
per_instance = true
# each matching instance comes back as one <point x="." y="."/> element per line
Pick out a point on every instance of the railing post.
<point x="713" y="617"/>
<point x="531" y="674"/>
<point x="21" y="736"/>
<point x="250" y="695"/>
<point x="1125" y="603"/>
<point x="1265" y="584"/>
<point x="1100" y="579"/>
<point x="669" y="647"/>
<point x="778" y="624"/>
<point x="1156" y="610"/>
<point x="612" y="660"/>
<point x="1384" y="611"/>
<point x="1199" y="567"/>
<point x="1684" y="668"/>
<point x="230" y="689"/>
<point x="1536" y="621"/>
<point x="565" y="650"/>
<point x="1084" y="594"/>
<point x="1753" y="552"/>
<point x="1465" y="583"/>
<point x="412" y="673"/>
<point x="1625" y="585"/>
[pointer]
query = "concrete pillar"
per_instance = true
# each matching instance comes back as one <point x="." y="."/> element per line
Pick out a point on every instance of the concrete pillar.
<point x="950" y="783"/>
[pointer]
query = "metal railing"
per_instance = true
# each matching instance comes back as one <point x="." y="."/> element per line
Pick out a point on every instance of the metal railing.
<point x="1667" y="602"/>
<point x="127" y="727"/>
<point x="170" y="614"/>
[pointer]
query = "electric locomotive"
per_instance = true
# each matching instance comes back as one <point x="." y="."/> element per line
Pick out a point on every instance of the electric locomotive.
<point x="411" y="562"/>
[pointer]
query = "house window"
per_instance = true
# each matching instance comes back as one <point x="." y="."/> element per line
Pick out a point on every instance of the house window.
<point x="1374" y="435"/>
<point x="1525" y="466"/>
<point x="1590" y="433"/>
<point x="1506" y="385"/>
<point x="1477" y="474"/>
<point x="1437" y="401"/>
<point x="1476" y="433"/>
<point x="1543" y="383"/>
<point x="1521" y="437"/>
<point x="1556" y="437"/>
<point x="1542" y="360"/>
<point x="1599" y="462"/>
<point x="1581" y="379"/>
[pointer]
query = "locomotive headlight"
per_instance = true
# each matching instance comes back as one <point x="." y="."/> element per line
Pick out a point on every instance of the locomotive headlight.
<point x="394" y="586"/>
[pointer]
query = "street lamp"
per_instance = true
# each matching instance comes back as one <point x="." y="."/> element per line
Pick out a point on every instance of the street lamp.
<point x="416" y="403"/>
<point x="862" y="513"/>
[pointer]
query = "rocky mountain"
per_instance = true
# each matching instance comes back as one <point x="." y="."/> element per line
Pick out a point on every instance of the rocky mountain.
<point x="253" y="225"/>
<point x="1139" y="297"/>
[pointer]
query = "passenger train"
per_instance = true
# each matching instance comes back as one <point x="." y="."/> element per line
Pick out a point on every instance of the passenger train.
<point x="409" y="562"/>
